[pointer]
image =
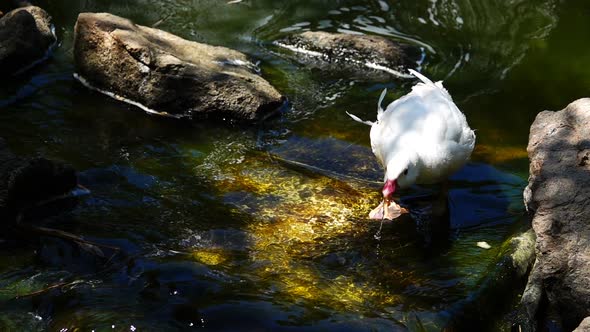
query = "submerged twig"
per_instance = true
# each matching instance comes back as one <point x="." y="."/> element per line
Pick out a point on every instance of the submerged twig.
<point x="48" y="288"/>
<point x="44" y="290"/>
<point x="89" y="246"/>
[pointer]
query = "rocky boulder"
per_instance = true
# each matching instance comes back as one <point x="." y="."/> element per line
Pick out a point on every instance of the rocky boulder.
<point x="558" y="195"/>
<point x="584" y="326"/>
<point x="361" y="55"/>
<point x="26" y="183"/>
<point x="166" y="75"/>
<point x="26" y="36"/>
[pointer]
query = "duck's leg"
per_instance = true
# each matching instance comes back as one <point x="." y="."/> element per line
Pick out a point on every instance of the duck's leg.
<point x="387" y="209"/>
<point x="377" y="213"/>
<point x="440" y="205"/>
<point x="393" y="210"/>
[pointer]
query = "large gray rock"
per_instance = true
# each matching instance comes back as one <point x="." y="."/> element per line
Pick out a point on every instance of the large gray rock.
<point x="558" y="195"/>
<point x="26" y="37"/>
<point x="167" y="75"/>
<point x="362" y="55"/>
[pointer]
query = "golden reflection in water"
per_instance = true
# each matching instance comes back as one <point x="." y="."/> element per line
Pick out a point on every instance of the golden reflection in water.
<point x="210" y="256"/>
<point x="299" y="218"/>
<point x="499" y="154"/>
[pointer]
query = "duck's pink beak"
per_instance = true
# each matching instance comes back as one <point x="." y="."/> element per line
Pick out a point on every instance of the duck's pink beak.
<point x="389" y="189"/>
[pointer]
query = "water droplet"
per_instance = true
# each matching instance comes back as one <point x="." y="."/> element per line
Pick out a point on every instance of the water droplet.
<point x="377" y="235"/>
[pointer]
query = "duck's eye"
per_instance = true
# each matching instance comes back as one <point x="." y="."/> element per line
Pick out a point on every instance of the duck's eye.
<point x="406" y="171"/>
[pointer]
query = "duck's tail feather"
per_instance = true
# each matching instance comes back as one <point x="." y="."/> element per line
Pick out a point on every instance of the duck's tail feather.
<point x="357" y="119"/>
<point x="422" y="78"/>
<point x="428" y="82"/>
<point x="379" y="107"/>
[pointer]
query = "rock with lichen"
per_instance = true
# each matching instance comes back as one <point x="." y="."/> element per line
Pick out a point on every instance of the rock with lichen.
<point x="558" y="196"/>
<point x="166" y="75"/>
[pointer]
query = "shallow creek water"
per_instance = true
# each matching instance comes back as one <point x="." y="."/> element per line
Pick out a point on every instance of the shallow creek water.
<point x="264" y="227"/>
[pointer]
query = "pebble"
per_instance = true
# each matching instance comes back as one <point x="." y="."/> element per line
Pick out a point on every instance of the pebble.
<point x="484" y="245"/>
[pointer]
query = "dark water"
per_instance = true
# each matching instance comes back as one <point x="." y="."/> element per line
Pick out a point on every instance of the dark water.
<point x="263" y="228"/>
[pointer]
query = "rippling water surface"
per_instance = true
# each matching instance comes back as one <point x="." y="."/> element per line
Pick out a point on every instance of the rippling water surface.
<point x="263" y="228"/>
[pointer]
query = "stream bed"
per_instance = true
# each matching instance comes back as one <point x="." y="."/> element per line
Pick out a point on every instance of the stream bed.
<point x="240" y="228"/>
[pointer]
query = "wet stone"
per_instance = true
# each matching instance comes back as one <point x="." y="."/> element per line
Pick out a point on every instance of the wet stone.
<point x="26" y="36"/>
<point x="558" y="196"/>
<point x="362" y="55"/>
<point x="166" y="75"/>
<point x="26" y="183"/>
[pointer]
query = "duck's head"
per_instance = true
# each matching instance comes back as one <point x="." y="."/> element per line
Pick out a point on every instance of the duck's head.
<point x="400" y="172"/>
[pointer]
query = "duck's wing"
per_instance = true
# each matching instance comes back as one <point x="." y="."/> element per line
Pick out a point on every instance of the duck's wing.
<point x="381" y="141"/>
<point x="424" y="120"/>
<point x="394" y="129"/>
<point x="442" y="119"/>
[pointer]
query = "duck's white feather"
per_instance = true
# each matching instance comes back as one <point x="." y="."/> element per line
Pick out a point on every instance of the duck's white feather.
<point x="424" y="133"/>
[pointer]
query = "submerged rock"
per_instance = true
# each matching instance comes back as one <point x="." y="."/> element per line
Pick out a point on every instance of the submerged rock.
<point x="26" y="183"/>
<point x="166" y="75"/>
<point x="509" y="274"/>
<point x="558" y="195"/>
<point x="26" y="36"/>
<point x="364" y="55"/>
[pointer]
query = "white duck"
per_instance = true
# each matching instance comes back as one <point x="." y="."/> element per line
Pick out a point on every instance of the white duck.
<point x="420" y="138"/>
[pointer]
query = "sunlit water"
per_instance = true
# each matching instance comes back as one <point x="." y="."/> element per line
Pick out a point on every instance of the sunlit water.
<point x="264" y="227"/>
